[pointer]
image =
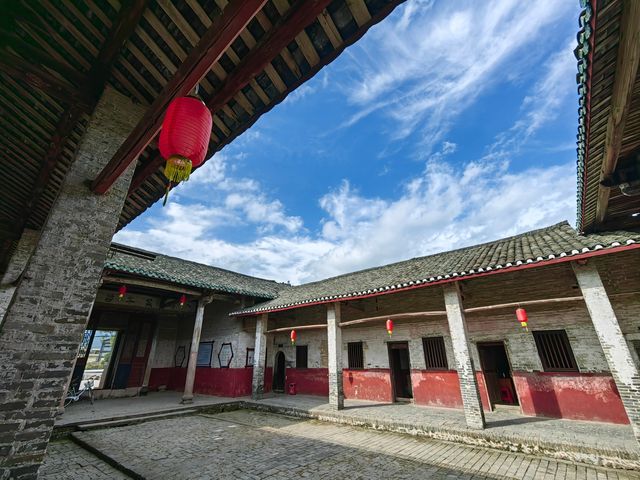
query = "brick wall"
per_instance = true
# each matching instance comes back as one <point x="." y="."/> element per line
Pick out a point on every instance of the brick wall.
<point x="45" y="322"/>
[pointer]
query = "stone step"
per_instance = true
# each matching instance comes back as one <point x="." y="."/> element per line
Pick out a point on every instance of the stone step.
<point x="133" y="419"/>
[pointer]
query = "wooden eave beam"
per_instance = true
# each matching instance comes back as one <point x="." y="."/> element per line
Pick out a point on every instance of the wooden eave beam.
<point x="625" y="75"/>
<point x="216" y="40"/>
<point x="300" y="15"/>
<point x="117" y="280"/>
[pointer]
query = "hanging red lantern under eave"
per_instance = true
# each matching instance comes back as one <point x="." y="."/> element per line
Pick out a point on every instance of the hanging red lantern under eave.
<point x="521" y="315"/>
<point x="390" y="327"/>
<point x="122" y="291"/>
<point x="294" y="337"/>
<point x="184" y="138"/>
<point x="183" y="300"/>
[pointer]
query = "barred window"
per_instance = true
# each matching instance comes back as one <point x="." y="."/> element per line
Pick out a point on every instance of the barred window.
<point x="355" y="354"/>
<point x="555" y="351"/>
<point x="301" y="356"/>
<point x="435" y="355"/>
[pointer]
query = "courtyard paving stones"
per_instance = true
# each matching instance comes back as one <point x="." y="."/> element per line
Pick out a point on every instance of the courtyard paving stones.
<point x="246" y="444"/>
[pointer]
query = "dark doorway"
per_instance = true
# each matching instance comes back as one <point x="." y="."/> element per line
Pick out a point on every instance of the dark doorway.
<point x="400" y="371"/>
<point x="497" y="373"/>
<point x="278" y="373"/>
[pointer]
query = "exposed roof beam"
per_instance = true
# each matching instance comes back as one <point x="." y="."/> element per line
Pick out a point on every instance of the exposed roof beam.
<point x="626" y="72"/>
<point x="39" y="78"/>
<point x="128" y="18"/>
<point x="37" y="56"/>
<point x="220" y="35"/>
<point x="288" y="26"/>
<point x="124" y="280"/>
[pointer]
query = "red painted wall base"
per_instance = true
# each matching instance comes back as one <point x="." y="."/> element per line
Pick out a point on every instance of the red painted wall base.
<point x="577" y="396"/>
<point x="309" y="381"/>
<point x="371" y="384"/>
<point x="223" y="382"/>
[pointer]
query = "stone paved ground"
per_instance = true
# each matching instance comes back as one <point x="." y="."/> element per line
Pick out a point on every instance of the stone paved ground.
<point x="68" y="461"/>
<point x="247" y="444"/>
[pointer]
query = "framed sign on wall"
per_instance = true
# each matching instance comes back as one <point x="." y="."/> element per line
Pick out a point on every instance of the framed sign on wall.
<point x="205" y="352"/>
<point x="249" y="361"/>
<point x="225" y="355"/>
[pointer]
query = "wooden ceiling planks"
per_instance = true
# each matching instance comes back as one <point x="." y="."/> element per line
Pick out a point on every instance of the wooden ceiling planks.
<point x="614" y="117"/>
<point x="62" y="42"/>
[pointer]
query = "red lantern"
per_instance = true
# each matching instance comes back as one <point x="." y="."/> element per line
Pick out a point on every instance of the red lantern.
<point x="389" y="327"/>
<point x="521" y="315"/>
<point x="184" y="138"/>
<point x="183" y="300"/>
<point x="122" y="291"/>
<point x="294" y="336"/>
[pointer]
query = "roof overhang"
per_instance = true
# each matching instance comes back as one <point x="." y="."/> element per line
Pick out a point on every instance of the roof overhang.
<point x="609" y="116"/>
<point x="562" y="257"/>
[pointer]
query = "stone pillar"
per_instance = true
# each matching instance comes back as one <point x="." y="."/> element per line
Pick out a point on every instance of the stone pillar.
<point x="259" y="357"/>
<point x="152" y="355"/>
<point x="615" y="348"/>
<point x="464" y="362"/>
<point x="17" y="264"/>
<point x="334" y="341"/>
<point x="44" y="323"/>
<point x="187" y="396"/>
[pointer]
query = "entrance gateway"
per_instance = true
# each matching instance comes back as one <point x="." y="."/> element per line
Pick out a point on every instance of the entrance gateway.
<point x="497" y="374"/>
<point x="400" y="371"/>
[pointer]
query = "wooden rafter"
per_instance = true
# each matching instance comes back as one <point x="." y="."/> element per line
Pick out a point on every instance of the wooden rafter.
<point x="39" y="78"/>
<point x="220" y="35"/>
<point x="99" y="73"/>
<point x="295" y="19"/>
<point x="625" y="75"/>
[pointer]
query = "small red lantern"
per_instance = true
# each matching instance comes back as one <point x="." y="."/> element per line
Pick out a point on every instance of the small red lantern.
<point x="294" y="336"/>
<point x="389" y="327"/>
<point x="184" y="139"/>
<point x="183" y="300"/>
<point x="521" y="315"/>
<point x="122" y="291"/>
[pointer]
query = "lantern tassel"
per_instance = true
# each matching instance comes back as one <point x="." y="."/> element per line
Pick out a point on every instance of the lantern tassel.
<point x="177" y="169"/>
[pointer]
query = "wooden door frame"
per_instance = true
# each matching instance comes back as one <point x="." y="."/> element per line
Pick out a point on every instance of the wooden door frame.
<point x="496" y="343"/>
<point x="394" y="396"/>
<point x="284" y="371"/>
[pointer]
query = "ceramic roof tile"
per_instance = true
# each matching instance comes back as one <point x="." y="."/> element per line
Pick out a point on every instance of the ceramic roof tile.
<point x="535" y="246"/>
<point x="125" y="259"/>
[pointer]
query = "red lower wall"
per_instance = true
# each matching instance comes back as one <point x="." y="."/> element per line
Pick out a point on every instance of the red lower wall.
<point x="579" y="396"/>
<point x="309" y="381"/>
<point x="576" y="396"/>
<point x="436" y="388"/>
<point x="371" y="384"/>
<point x="223" y="382"/>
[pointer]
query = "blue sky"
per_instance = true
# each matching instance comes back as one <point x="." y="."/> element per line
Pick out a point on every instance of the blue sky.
<point x="448" y="124"/>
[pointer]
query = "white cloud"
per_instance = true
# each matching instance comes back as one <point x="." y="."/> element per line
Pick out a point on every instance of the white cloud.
<point x="443" y="208"/>
<point x="423" y="67"/>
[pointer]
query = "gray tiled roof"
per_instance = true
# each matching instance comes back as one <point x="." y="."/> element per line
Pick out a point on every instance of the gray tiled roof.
<point x="183" y="272"/>
<point x="537" y="246"/>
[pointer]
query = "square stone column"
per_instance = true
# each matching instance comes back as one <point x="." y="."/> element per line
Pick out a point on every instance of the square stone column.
<point x="616" y="350"/>
<point x="187" y="395"/>
<point x="334" y="340"/>
<point x="259" y="357"/>
<point x="464" y="362"/>
<point x="17" y="264"/>
<point x="44" y="324"/>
